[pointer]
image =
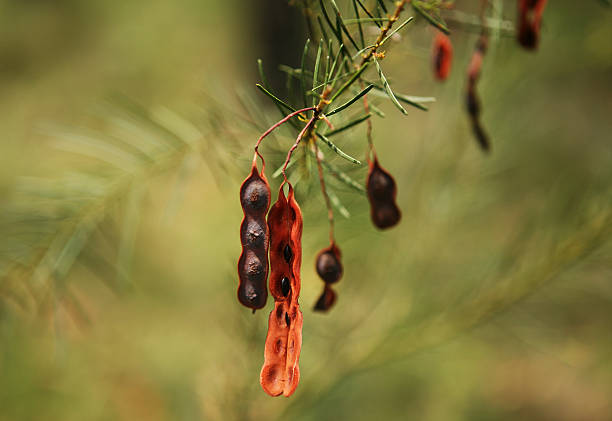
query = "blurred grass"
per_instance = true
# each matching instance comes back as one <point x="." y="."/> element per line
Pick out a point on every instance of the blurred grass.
<point x="490" y="301"/>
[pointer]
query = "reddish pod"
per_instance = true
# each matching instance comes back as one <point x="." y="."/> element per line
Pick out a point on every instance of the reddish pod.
<point x="280" y="373"/>
<point x="472" y="100"/>
<point x="529" y="20"/>
<point x="382" y="191"/>
<point x="253" y="262"/>
<point x="329" y="268"/>
<point x="442" y="56"/>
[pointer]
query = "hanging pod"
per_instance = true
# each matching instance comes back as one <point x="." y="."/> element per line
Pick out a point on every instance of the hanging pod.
<point x="328" y="264"/>
<point x="330" y="270"/>
<point x="442" y="56"/>
<point x="326" y="299"/>
<point x="529" y="22"/>
<point x="472" y="102"/>
<point x="382" y="191"/>
<point x="253" y="262"/>
<point x="280" y="373"/>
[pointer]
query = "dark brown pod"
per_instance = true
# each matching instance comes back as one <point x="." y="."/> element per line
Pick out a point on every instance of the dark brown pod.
<point x="382" y="191"/>
<point x="326" y="300"/>
<point x="253" y="263"/>
<point x="472" y="102"/>
<point x="328" y="264"/>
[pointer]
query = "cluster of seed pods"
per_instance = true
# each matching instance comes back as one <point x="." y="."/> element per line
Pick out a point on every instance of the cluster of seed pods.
<point x="280" y="373"/>
<point x="529" y="19"/>
<point x="442" y="56"/>
<point x="472" y="101"/>
<point x="281" y="237"/>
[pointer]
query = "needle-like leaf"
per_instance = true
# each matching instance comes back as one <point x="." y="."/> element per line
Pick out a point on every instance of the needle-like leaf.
<point x="438" y="23"/>
<point x="351" y="101"/>
<point x="334" y="148"/>
<point x="349" y="82"/>
<point x="348" y="125"/>
<point x="407" y="21"/>
<point x="367" y="12"/>
<point x="302" y="76"/>
<point x="315" y="75"/>
<point x="385" y="83"/>
<point x="275" y="98"/>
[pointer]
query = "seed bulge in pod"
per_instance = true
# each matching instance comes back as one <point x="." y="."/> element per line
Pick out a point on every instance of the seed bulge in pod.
<point x="287" y="253"/>
<point x="381" y="189"/>
<point x="255" y="195"/>
<point x="326" y="300"/>
<point x="380" y="184"/>
<point x="253" y="234"/>
<point x="328" y="266"/>
<point x="285" y="286"/>
<point x="385" y="215"/>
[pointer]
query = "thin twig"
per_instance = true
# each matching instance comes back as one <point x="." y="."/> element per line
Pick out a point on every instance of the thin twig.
<point x="330" y="211"/>
<point x="271" y="129"/>
<point x="295" y="145"/>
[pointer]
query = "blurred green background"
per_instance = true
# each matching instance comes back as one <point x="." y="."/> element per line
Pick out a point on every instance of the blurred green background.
<point x="492" y="300"/>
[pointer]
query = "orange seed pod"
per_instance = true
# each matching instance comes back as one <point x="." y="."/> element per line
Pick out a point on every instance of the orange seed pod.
<point x="442" y="56"/>
<point x="280" y="373"/>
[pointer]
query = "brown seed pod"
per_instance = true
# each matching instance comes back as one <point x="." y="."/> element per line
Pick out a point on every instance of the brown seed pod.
<point x="326" y="300"/>
<point x="328" y="264"/>
<point x="382" y="191"/>
<point x="472" y="102"/>
<point x="253" y="263"/>
<point x="280" y="373"/>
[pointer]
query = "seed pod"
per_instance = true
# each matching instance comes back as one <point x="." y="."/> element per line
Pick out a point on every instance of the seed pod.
<point x="280" y="373"/>
<point x="326" y="300"/>
<point x="442" y="56"/>
<point x="382" y="190"/>
<point x="328" y="264"/>
<point x="472" y="102"/>
<point x="529" y="20"/>
<point x="253" y="263"/>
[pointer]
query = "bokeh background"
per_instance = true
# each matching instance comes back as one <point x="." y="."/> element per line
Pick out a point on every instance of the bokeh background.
<point x="126" y="132"/>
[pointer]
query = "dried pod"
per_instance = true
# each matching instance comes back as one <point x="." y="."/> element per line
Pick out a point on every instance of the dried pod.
<point x="529" y="20"/>
<point x="280" y="373"/>
<point x="328" y="264"/>
<point x="326" y="300"/>
<point x="253" y="262"/>
<point x="472" y="102"/>
<point x="442" y="56"/>
<point x="382" y="191"/>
